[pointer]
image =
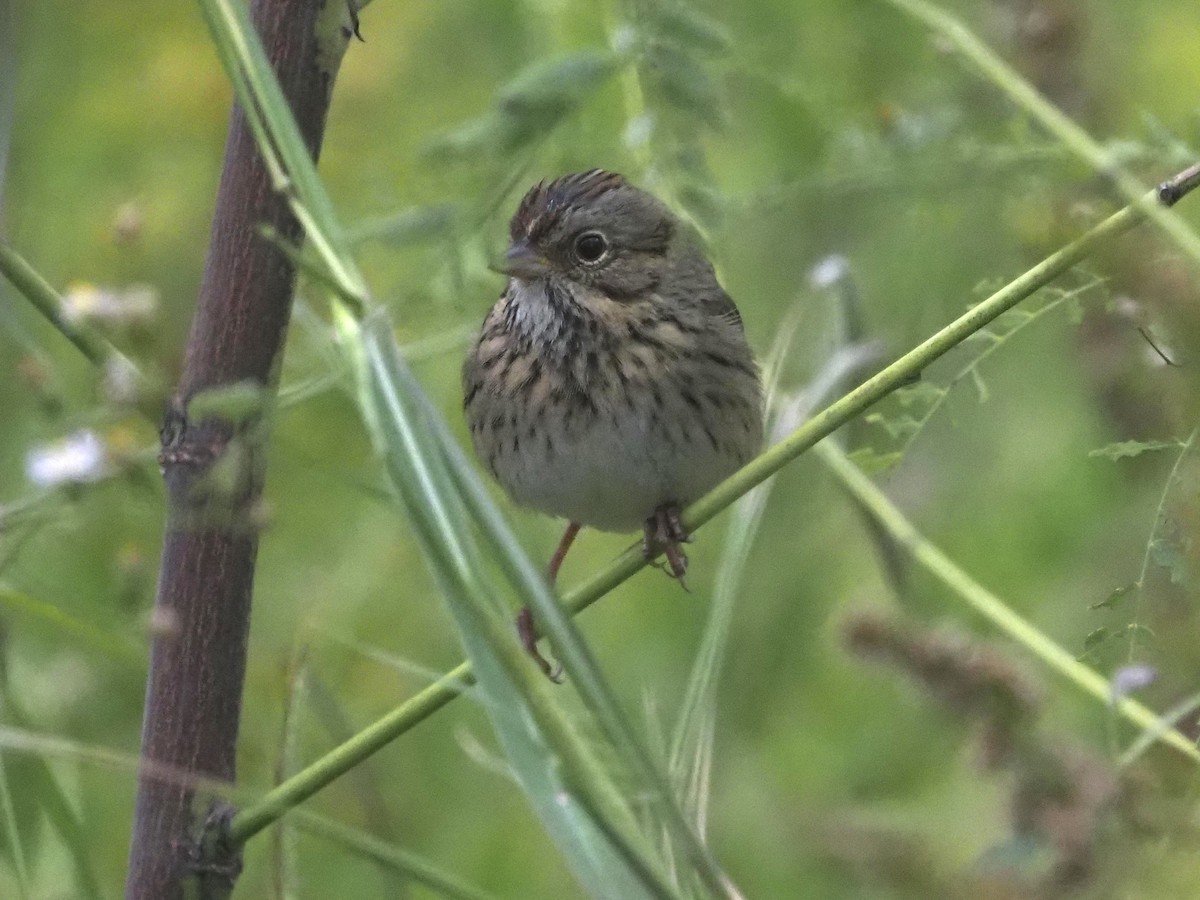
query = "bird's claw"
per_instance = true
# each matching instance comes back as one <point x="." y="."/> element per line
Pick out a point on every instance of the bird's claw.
<point x="664" y="533"/>
<point x="528" y="635"/>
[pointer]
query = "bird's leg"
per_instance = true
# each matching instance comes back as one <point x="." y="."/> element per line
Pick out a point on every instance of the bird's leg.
<point x="526" y="628"/>
<point x="560" y="554"/>
<point x="527" y="632"/>
<point x="664" y="532"/>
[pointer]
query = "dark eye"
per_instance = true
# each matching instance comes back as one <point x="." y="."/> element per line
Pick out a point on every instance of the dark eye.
<point x="590" y="246"/>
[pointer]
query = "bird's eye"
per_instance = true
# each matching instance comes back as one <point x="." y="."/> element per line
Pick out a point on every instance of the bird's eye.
<point x="590" y="246"/>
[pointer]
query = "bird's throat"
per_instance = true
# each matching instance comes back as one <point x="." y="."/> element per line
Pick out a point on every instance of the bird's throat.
<point x="546" y="314"/>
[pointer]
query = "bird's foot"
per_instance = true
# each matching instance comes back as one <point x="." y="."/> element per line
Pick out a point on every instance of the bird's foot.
<point x="527" y="631"/>
<point x="664" y="533"/>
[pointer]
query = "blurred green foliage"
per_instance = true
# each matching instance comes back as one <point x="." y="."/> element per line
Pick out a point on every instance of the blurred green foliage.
<point x="788" y="132"/>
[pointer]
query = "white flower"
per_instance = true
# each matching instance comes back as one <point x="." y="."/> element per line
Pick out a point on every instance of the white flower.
<point x="130" y="304"/>
<point x="1133" y="677"/>
<point x="78" y="458"/>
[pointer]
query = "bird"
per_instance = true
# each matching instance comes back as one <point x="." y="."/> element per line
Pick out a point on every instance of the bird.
<point x="612" y="382"/>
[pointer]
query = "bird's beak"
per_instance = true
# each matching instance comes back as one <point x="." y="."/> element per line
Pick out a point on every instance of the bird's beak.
<point x="522" y="261"/>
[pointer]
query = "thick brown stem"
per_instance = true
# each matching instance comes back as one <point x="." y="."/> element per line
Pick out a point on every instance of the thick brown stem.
<point x="213" y="475"/>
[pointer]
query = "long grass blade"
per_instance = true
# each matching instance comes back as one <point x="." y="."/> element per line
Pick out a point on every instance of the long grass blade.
<point x="574" y="794"/>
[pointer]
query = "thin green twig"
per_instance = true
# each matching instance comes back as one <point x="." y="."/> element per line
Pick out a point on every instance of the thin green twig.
<point x="1168" y="721"/>
<point x="1159" y="516"/>
<point x="47" y="301"/>
<point x="971" y="369"/>
<point x="991" y="607"/>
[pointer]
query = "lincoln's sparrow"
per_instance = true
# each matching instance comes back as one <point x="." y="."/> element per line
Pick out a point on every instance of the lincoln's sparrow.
<point x="612" y="382"/>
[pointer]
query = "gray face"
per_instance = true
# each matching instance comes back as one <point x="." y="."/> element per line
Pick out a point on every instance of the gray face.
<point x="593" y="229"/>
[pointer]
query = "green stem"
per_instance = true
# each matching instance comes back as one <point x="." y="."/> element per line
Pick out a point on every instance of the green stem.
<point x="253" y="819"/>
<point x="1160" y="514"/>
<point x="50" y="304"/>
<point x="94" y="346"/>
<point x="991" y="607"/>
<point x="310" y="780"/>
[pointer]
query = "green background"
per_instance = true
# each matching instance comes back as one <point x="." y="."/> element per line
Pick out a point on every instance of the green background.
<point x="820" y="128"/>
